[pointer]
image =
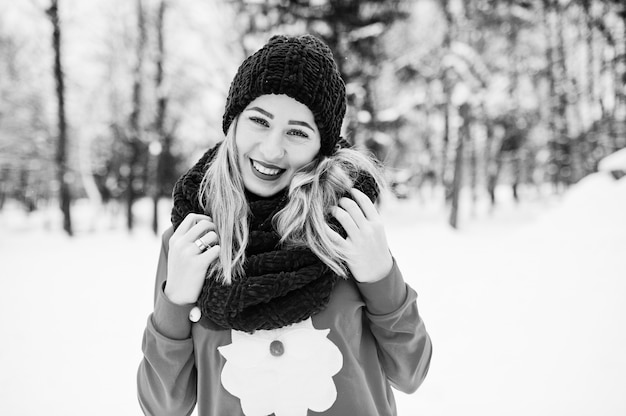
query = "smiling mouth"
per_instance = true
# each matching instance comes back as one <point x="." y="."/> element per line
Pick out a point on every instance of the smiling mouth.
<point x="265" y="171"/>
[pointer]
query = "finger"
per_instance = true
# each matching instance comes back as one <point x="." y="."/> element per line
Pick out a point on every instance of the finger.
<point x="200" y="229"/>
<point x="189" y="221"/>
<point x="209" y="238"/>
<point x="346" y="221"/>
<point x="204" y="242"/>
<point x="334" y="235"/>
<point x="365" y="203"/>
<point x="354" y="210"/>
<point x="211" y="254"/>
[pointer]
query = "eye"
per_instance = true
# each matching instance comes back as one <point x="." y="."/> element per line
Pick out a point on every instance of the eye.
<point x="298" y="133"/>
<point x="260" y="121"/>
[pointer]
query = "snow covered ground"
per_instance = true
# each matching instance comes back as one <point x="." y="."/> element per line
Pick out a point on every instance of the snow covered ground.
<point x="526" y="306"/>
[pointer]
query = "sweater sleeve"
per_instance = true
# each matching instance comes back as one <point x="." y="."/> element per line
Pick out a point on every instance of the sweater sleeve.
<point x="166" y="379"/>
<point x="404" y="345"/>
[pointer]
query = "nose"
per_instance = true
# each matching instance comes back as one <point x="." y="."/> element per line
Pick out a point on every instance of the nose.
<point x="271" y="147"/>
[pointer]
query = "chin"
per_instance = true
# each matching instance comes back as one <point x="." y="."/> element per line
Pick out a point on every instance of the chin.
<point x="264" y="188"/>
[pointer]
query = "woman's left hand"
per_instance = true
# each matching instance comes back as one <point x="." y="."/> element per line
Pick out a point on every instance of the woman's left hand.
<point x="369" y="258"/>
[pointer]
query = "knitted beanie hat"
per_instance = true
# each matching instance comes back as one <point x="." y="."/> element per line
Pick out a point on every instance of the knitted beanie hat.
<point x="301" y="67"/>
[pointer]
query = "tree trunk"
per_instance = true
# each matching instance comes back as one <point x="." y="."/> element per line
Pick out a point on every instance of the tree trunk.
<point x="4" y="179"/>
<point x="592" y="95"/>
<point x="564" y="136"/>
<point x="444" y="150"/>
<point x="608" y="47"/>
<point x="135" y="119"/>
<point x="517" y="173"/>
<point x="458" y="164"/>
<point x="553" y="167"/>
<point x="494" y="174"/>
<point x="491" y="166"/>
<point x="473" y="170"/>
<point x="61" y="154"/>
<point x="163" y="147"/>
<point x="621" y="89"/>
<point x="447" y="90"/>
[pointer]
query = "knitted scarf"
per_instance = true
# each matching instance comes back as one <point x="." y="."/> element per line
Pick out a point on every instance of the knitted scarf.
<point x="280" y="285"/>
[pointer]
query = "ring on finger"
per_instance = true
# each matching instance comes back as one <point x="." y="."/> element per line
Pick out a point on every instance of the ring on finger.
<point x="201" y="245"/>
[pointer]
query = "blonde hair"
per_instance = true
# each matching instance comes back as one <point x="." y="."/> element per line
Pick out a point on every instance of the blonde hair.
<point x="314" y="189"/>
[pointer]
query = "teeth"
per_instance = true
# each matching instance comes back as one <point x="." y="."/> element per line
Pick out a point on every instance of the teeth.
<point x="264" y="170"/>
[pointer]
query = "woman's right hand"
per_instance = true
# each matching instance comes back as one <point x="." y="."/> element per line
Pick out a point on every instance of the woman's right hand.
<point x="187" y="264"/>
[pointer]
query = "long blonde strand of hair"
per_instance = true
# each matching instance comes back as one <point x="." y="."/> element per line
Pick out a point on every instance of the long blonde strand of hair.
<point x="222" y="197"/>
<point x="313" y="191"/>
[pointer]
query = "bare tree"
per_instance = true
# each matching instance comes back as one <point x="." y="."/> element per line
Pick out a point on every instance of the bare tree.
<point x="135" y="143"/>
<point x="162" y="138"/>
<point x="61" y="154"/>
<point x="447" y="92"/>
<point x="463" y="136"/>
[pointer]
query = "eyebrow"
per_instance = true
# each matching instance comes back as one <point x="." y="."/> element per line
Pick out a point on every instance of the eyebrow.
<point x="271" y="116"/>
<point x="301" y="123"/>
<point x="260" y="110"/>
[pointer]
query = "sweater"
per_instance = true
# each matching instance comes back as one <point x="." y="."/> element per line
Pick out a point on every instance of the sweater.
<point x="343" y="360"/>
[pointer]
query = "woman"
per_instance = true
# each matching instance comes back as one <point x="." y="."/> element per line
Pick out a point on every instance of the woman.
<point x="276" y="292"/>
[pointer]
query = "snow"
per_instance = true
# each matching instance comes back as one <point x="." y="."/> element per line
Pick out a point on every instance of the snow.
<point x="614" y="161"/>
<point x="525" y="305"/>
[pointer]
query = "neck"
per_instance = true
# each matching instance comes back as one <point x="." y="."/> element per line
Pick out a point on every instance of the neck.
<point x="252" y="197"/>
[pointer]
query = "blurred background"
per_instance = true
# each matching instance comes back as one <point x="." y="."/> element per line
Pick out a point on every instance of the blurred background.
<point x="110" y="101"/>
<point x="501" y="126"/>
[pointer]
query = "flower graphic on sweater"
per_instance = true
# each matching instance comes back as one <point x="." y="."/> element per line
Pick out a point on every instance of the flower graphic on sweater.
<point x="284" y="371"/>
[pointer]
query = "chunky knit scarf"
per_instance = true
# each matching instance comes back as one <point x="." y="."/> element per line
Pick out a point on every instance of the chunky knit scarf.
<point x="280" y="285"/>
